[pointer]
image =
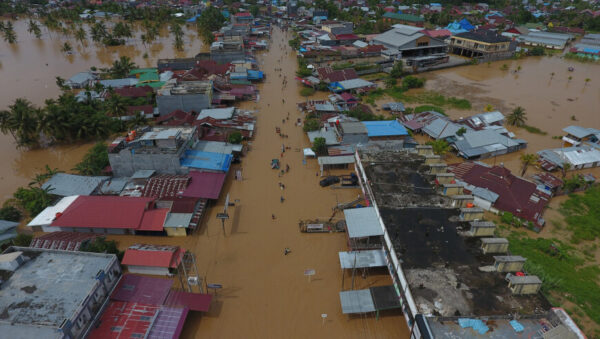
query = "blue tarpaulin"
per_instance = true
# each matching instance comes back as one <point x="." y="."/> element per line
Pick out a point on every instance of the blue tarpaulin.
<point x="516" y="326"/>
<point x="193" y="19"/>
<point x="466" y="25"/>
<point x="206" y="160"/>
<point x="225" y="14"/>
<point x="455" y="28"/>
<point x="255" y="75"/>
<point x="476" y="324"/>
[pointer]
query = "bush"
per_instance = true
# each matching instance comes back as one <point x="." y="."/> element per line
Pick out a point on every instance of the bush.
<point x="427" y="108"/>
<point x="390" y="82"/>
<point x="33" y="199"/>
<point x="10" y="213"/>
<point x="294" y="43"/>
<point x="95" y="160"/>
<point x="235" y="138"/>
<point x="100" y="245"/>
<point x="307" y="91"/>
<point x="311" y="125"/>
<point x="322" y="86"/>
<point x="320" y="146"/>
<point x="461" y="131"/>
<point x="23" y="240"/>
<point x="507" y="218"/>
<point x="537" y="51"/>
<point x="398" y="70"/>
<point x="412" y="82"/>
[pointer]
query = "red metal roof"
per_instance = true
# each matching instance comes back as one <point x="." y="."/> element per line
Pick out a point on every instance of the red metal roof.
<point x="153" y="256"/>
<point x="104" y="212"/>
<point x="205" y="185"/>
<point x="176" y="118"/>
<point x="346" y="37"/>
<point x="436" y="33"/>
<point x="166" y="186"/>
<point x="242" y="14"/>
<point x="140" y="289"/>
<point x="193" y="301"/>
<point x="333" y="76"/>
<point x="67" y="241"/>
<point x="145" y="109"/>
<point x="134" y="92"/>
<point x="515" y="194"/>
<point x="125" y="320"/>
<point x="154" y="220"/>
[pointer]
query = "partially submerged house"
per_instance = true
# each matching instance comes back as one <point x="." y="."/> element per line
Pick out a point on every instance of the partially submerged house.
<point x="63" y="184"/>
<point x="81" y="80"/>
<point x="152" y="259"/>
<point x="482" y="43"/>
<point x="409" y="41"/>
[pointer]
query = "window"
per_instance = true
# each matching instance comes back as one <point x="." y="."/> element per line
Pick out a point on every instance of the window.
<point x="145" y="318"/>
<point x="116" y="329"/>
<point x="425" y="43"/>
<point x="137" y="335"/>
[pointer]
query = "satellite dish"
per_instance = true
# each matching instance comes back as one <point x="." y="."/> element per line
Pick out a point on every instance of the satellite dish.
<point x="193" y="281"/>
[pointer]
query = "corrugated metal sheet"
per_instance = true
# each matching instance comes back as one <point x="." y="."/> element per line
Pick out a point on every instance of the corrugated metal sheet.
<point x="362" y="222"/>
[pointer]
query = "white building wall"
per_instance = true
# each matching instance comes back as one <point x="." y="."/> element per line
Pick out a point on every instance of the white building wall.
<point x="479" y="202"/>
<point x="148" y="270"/>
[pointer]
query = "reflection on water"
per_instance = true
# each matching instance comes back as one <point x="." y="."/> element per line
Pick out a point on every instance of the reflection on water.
<point x="29" y="68"/>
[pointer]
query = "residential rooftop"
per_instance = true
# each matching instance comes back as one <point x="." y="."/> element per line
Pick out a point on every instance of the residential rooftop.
<point x="46" y="289"/>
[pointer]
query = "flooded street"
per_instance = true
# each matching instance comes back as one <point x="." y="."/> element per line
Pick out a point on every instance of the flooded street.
<point x="265" y="293"/>
<point x="29" y="69"/>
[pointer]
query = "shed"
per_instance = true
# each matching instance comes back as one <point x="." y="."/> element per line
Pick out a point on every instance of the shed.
<point x="482" y="228"/>
<point x="509" y="263"/>
<point x="335" y="161"/>
<point x="529" y="284"/>
<point x="494" y="245"/>
<point x="469" y="214"/>
<point x="385" y="129"/>
<point x="363" y="227"/>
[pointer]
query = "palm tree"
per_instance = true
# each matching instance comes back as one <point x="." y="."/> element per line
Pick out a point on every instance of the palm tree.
<point x="552" y="75"/>
<point x="122" y="67"/>
<point x="9" y="33"/>
<point x="20" y="121"/>
<point x="587" y="80"/>
<point x="526" y="161"/>
<point x="61" y="83"/>
<point x="81" y="35"/>
<point x="517" y="117"/>
<point x="178" y="43"/>
<point x="137" y="120"/>
<point x="519" y="68"/>
<point x="66" y="48"/>
<point x="570" y="78"/>
<point x="116" y="105"/>
<point x="34" y="28"/>
<point x="98" y="31"/>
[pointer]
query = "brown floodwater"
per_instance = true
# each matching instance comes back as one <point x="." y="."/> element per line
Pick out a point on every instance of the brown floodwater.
<point x="29" y="68"/>
<point x="265" y="293"/>
<point x="550" y="101"/>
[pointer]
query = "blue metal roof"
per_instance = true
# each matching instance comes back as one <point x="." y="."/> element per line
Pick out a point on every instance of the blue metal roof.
<point x="254" y="75"/>
<point x="384" y="128"/>
<point x="206" y="160"/>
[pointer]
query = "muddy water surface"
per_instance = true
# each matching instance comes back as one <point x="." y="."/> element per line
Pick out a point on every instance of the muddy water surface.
<point x="265" y="293"/>
<point x="550" y="101"/>
<point x="29" y="69"/>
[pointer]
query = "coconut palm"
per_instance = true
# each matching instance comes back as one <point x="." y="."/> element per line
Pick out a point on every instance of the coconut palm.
<point x="570" y="78"/>
<point x="526" y="161"/>
<point x="20" y="121"/>
<point x="587" y="80"/>
<point x="552" y="75"/>
<point x="98" y="31"/>
<point x="116" y="105"/>
<point x="34" y="28"/>
<point x="517" y="117"/>
<point x="178" y="43"/>
<point x="9" y="33"/>
<point x="81" y="36"/>
<point x="122" y="67"/>
<point x="566" y="166"/>
<point x="66" y="48"/>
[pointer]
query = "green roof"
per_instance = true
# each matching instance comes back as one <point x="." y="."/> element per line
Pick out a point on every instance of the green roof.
<point x="147" y="77"/>
<point x="143" y="70"/>
<point x="403" y="17"/>
<point x="240" y="82"/>
<point x="154" y="84"/>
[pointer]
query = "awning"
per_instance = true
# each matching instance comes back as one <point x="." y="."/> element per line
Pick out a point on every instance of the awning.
<point x="362" y="259"/>
<point x="193" y="301"/>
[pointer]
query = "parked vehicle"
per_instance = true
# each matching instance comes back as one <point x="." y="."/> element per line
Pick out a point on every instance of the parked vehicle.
<point x="329" y="181"/>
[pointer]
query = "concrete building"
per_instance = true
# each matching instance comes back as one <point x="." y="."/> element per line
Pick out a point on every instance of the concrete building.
<point x="353" y="133"/>
<point x="410" y="42"/>
<point x="158" y="148"/>
<point x="54" y="294"/>
<point x="186" y="96"/>
<point x="483" y="44"/>
<point x="445" y="286"/>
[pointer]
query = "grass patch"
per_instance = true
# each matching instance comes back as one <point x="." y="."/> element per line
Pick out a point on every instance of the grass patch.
<point x="428" y="97"/>
<point x="561" y="270"/>
<point x="533" y="130"/>
<point x="425" y="108"/>
<point x="581" y="58"/>
<point x="582" y="214"/>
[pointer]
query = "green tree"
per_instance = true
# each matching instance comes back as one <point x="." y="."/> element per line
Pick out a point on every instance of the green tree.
<point x="319" y="146"/>
<point x="95" y="160"/>
<point x="234" y="138"/>
<point x="566" y="166"/>
<point x="517" y="117"/>
<point x="390" y="82"/>
<point x="61" y="83"/>
<point x="10" y="213"/>
<point x="121" y="67"/>
<point x="81" y="36"/>
<point x="20" y="120"/>
<point x="98" y="31"/>
<point x="294" y="43"/>
<point x="526" y="161"/>
<point x="311" y="125"/>
<point x="397" y="70"/>
<point x="209" y="21"/>
<point x="9" y="33"/>
<point x="307" y="91"/>
<point x="412" y="82"/>
<point x="101" y="245"/>
<point x="34" y="28"/>
<point x="33" y="199"/>
<point x="66" y="47"/>
<point x="116" y="106"/>
<point x="440" y="146"/>
<point x="23" y="240"/>
<point x="122" y="30"/>
<point x="461" y="131"/>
